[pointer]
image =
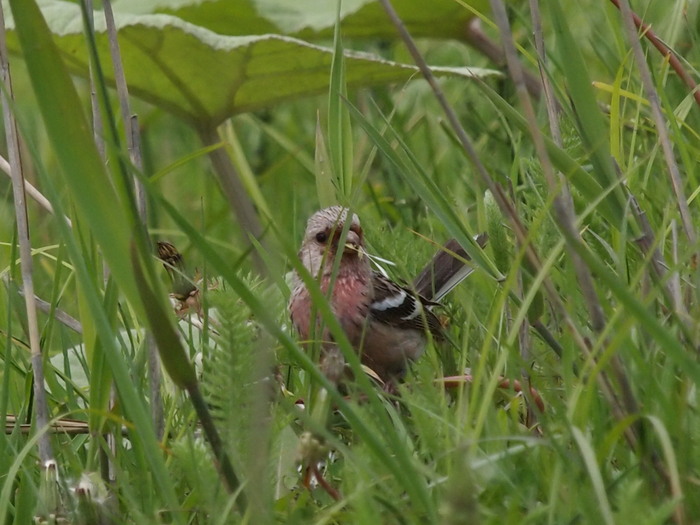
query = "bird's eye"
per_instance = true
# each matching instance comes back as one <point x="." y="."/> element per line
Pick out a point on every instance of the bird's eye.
<point x="322" y="237"/>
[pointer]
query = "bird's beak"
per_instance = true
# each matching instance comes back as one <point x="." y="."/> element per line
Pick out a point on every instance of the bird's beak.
<point x="352" y="244"/>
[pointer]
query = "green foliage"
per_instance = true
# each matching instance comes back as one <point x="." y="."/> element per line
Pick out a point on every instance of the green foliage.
<point x="615" y="362"/>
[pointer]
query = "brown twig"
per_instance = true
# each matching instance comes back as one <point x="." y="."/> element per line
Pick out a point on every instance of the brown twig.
<point x="61" y="426"/>
<point x="452" y="382"/>
<point x="312" y="473"/>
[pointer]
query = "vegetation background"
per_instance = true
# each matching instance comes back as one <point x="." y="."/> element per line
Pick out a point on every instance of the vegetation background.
<point x="253" y="114"/>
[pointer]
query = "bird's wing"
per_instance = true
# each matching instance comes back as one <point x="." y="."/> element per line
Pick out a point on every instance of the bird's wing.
<point x="398" y="306"/>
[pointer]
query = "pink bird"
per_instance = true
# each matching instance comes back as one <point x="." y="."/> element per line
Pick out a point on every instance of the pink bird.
<point x="386" y="323"/>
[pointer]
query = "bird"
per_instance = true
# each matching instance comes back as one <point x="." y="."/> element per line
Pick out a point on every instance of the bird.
<point x="386" y="323"/>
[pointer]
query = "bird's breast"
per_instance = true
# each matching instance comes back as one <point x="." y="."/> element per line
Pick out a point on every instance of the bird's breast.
<point x="350" y="302"/>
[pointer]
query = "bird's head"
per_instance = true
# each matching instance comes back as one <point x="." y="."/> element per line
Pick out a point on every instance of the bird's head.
<point x="323" y="237"/>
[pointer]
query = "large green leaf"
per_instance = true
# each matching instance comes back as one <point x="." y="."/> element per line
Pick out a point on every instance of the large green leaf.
<point x="315" y="18"/>
<point x="204" y="77"/>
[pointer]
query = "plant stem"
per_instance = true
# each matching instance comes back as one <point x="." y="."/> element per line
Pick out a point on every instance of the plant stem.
<point x="133" y="142"/>
<point x="235" y="192"/>
<point x="25" y="250"/>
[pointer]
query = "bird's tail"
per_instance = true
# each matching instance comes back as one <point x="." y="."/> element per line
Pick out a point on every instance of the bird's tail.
<point x="446" y="270"/>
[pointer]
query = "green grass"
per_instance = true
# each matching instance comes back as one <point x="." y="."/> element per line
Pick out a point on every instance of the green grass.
<point x="597" y="315"/>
